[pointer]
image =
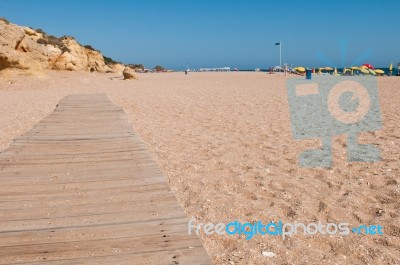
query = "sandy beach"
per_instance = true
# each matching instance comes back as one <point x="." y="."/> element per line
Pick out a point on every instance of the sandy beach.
<point x="223" y="141"/>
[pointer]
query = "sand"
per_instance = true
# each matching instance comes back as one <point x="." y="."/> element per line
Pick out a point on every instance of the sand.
<point x="223" y="141"/>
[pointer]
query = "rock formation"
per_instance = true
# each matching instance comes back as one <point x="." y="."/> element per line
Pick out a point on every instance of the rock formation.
<point x="25" y="48"/>
<point x="117" y="68"/>
<point x="129" y="73"/>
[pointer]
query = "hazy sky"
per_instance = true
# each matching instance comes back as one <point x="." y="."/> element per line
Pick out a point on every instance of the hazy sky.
<point x="213" y="33"/>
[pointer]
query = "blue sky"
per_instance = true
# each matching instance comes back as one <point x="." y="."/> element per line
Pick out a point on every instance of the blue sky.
<point x="213" y="33"/>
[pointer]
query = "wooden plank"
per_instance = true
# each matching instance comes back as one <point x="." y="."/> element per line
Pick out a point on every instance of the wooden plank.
<point x="81" y="188"/>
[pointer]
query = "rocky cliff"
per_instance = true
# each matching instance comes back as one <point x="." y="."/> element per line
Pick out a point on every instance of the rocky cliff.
<point x="25" y="48"/>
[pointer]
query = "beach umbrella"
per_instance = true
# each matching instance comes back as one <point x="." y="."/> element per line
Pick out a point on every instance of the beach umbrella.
<point x="328" y="69"/>
<point x="364" y="71"/>
<point x="335" y="72"/>
<point x="391" y="67"/>
<point x="300" y="69"/>
<point x="372" y="72"/>
<point x="369" y="66"/>
<point x="379" y="71"/>
<point x="354" y="68"/>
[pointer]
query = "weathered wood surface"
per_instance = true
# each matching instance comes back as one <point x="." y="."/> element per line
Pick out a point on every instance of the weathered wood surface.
<point x="81" y="188"/>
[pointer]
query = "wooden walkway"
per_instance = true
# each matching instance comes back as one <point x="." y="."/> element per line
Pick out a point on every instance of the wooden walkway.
<point x="81" y="188"/>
